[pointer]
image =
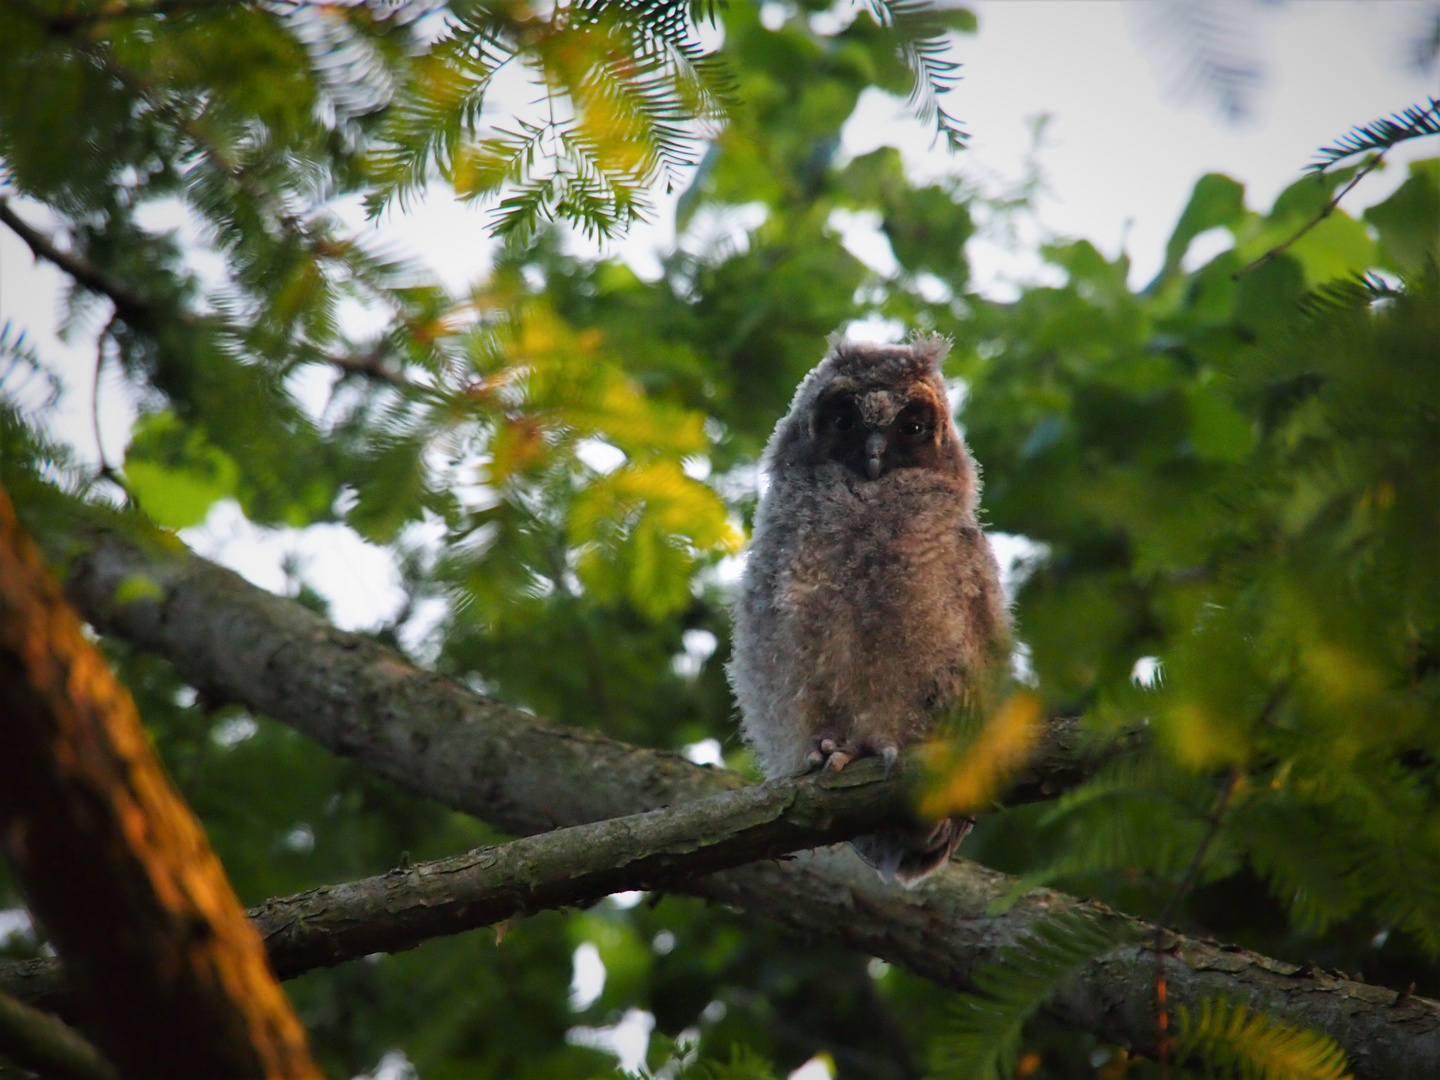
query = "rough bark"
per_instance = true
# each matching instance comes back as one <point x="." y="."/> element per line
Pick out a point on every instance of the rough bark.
<point x="169" y="974"/>
<point x="949" y="928"/>
<point x="427" y="733"/>
<point x="432" y="736"/>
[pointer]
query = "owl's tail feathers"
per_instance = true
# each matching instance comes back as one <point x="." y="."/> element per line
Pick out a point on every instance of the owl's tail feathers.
<point x="909" y="856"/>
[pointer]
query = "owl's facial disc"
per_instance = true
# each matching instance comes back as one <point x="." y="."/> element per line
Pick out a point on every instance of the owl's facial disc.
<point x="873" y="434"/>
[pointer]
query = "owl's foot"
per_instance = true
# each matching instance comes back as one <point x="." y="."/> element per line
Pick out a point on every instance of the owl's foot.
<point x="831" y="755"/>
<point x="827" y="753"/>
<point x="884" y="747"/>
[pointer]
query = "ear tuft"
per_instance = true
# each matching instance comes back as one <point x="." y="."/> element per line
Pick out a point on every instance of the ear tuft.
<point x="931" y="347"/>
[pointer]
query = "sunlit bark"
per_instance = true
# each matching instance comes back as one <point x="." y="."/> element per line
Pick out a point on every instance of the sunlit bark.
<point x="170" y="976"/>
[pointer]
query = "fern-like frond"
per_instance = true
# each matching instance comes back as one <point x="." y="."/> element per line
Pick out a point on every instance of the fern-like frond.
<point x="1137" y="816"/>
<point x="23" y="376"/>
<point x="983" y="1038"/>
<point x="1413" y="123"/>
<point x="1353" y="294"/>
<point x="31" y="460"/>
<point x="1206" y="47"/>
<point x="626" y="94"/>
<point x="1234" y="1042"/>
<point x="920" y="30"/>
<point x="350" y="66"/>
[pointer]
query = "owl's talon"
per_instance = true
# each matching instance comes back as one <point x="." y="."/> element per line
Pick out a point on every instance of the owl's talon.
<point x="823" y="745"/>
<point x="837" y="760"/>
<point x="890" y="754"/>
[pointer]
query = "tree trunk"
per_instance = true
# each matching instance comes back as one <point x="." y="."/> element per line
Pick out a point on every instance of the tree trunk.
<point x="169" y="974"/>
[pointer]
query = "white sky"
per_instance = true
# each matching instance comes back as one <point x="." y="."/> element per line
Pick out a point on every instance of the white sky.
<point x="1120" y="156"/>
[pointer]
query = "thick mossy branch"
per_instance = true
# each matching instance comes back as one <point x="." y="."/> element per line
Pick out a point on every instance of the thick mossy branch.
<point x="434" y="737"/>
<point x="427" y="733"/>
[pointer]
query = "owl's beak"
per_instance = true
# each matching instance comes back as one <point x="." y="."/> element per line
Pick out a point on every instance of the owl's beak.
<point x="874" y="453"/>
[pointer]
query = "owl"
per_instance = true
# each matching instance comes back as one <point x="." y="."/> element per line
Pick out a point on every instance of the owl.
<point x="870" y="606"/>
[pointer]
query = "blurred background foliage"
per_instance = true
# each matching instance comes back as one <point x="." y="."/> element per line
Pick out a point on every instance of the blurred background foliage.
<point x="1227" y="482"/>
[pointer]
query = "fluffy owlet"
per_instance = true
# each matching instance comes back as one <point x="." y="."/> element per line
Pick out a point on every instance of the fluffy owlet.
<point x="870" y="606"/>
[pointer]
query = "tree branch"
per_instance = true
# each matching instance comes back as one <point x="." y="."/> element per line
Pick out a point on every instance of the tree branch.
<point x="42" y="1044"/>
<point x="141" y="312"/>
<point x="575" y="866"/>
<point x="434" y="737"/>
<point x="129" y="305"/>
<point x="947" y="920"/>
<point x="431" y="735"/>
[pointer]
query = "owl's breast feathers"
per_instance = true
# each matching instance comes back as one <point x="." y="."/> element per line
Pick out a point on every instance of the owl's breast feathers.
<point x="879" y="600"/>
<point x="884" y="566"/>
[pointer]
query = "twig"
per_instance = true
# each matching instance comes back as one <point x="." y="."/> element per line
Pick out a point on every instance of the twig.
<point x="130" y="305"/>
<point x="1329" y="208"/>
<point x="142" y="313"/>
<point x="1187" y="881"/>
<point x="372" y="366"/>
<point x="41" y="1043"/>
<point x="106" y="472"/>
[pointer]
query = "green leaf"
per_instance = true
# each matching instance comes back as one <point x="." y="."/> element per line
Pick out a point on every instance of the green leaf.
<point x="175" y="473"/>
<point x="1215" y="201"/>
<point x="1338" y="247"/>
<point x="1218" y="429"/>
<point x="138" y="587"/>
<point x="1409" y="220"/>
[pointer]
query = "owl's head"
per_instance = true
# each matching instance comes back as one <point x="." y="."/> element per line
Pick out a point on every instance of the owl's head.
<point x="874" y="410"/>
